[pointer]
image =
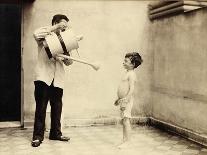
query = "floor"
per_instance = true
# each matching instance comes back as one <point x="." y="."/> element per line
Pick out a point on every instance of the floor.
<point x="99" y="140"/>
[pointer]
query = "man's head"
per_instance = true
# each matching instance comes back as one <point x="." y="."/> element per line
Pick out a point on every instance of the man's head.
<point x="132" y="60"/>
<point x="58" y="18"/>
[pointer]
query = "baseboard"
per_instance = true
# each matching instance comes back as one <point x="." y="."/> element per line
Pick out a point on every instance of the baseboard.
<point x="185" y="133"/>
<point x="141" y="120"/>
<point x="102" y="121"/>
<point x="92" y="122"/>
<point x="28" y="123"/>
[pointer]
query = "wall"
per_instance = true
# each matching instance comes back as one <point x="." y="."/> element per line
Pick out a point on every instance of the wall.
<point x="110" y="29"/>
<point x="175" y="46"/>
<point x="180" y="75"/>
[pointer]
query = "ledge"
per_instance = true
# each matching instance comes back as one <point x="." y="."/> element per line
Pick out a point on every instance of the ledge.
<point x="185" y="133"/>
<point x="92" y="122"/>
<point x="165" y="8"/>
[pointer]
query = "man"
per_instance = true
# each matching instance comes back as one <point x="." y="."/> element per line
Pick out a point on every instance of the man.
<point x="49" y="84"/>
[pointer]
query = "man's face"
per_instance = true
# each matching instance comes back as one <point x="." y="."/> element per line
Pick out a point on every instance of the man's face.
<point x="62" y="20"/>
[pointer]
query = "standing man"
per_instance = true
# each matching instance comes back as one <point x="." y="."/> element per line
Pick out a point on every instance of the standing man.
<point x="49" y="84"/>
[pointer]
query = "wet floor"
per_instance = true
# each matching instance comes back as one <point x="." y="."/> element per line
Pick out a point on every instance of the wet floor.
<point x="99" y="140"/>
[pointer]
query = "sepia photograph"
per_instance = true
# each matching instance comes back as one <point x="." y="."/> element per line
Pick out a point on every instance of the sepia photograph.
<point x="103" y="77"/>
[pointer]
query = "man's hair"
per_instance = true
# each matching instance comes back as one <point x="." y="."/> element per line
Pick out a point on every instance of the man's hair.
<point x="56" y="18"/>
<point x="135" y="58"/>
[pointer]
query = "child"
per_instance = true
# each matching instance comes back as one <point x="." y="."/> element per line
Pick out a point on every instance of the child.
<point x="125" y="93"/>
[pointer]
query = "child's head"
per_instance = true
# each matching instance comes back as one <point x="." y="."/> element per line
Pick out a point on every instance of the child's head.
<point x="58" y="18"/>
<point x="132" y="60"/>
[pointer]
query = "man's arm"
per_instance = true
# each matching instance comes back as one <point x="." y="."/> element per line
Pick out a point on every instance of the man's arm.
<point x="42" y="32"/>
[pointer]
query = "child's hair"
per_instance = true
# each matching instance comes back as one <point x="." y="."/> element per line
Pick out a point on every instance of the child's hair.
<point x="135" y="58"/>
<point x="56" y="18"/>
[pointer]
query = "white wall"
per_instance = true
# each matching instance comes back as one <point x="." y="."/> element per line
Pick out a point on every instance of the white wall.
<point x="110" y="29"/>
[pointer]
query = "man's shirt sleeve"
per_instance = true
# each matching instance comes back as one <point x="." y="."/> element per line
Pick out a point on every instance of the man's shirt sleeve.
<point x="41" y="33"/>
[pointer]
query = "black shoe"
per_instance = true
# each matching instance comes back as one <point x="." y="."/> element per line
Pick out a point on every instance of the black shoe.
<point x="60" y="138"/>
<point x="36" y="143"/>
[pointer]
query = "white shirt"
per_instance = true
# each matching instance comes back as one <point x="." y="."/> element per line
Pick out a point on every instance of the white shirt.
<point x="48" y="69"/>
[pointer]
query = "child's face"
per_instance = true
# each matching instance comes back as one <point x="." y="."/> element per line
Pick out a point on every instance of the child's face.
<point x="127" y="64"/>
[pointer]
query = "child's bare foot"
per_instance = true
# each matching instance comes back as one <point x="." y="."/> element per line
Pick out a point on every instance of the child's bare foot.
<point x="123" y="145"/>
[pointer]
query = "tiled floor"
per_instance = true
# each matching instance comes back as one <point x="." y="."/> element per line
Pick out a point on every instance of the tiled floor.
<point x="100" y="140"/>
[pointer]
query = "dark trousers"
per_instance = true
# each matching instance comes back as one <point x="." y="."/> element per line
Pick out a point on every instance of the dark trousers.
<point x="44" y="93"/>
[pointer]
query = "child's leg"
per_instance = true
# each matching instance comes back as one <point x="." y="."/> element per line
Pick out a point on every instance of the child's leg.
<point x="126" y="129"/>
<point x="126" y="132"/>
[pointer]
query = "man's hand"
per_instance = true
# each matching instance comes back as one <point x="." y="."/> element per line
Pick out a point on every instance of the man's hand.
<point x="68" y="62"/>
<point x="57" y="58"/>
<point x="62" y="25"/>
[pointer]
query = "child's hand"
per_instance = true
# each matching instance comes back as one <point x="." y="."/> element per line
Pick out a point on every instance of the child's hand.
<point x="124" y="100"/>
<point x="116" y="103"/>
<point x="122" y="108"/>
<point x="123" y="103"/>
<point x="127" y="98"/>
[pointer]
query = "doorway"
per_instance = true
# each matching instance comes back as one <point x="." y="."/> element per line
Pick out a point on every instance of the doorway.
<point x="10" y="62"/>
